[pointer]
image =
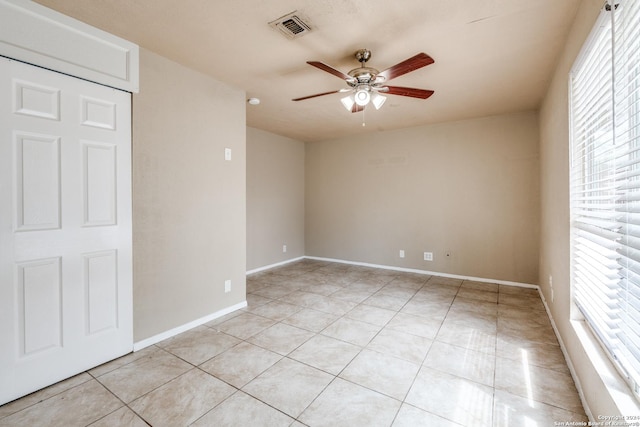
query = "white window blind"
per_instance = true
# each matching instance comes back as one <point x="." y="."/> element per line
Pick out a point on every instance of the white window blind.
<point x="605" y="183"/>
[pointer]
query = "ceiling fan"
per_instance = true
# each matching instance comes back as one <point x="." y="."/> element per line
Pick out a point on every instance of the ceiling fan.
<point x="366" y="84"/>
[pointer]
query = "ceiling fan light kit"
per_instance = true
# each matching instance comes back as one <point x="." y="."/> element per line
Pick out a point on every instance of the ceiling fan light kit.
<point x="348" y="102"/>
<point x="377" y="100"/>
<point x="362" y="100"/>
<point x="366" y="83"/>
<point x="362" y="96"/>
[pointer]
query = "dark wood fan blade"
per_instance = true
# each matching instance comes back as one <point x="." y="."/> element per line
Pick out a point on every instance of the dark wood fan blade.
<point x="357" y="108"/>
<point x="418" y="61"/>
<point x="317" y="94"/>
<point x="329" y="69"/>
<point x="407" y="91"/>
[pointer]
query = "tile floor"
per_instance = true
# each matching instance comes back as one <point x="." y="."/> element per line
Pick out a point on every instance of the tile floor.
<point x="324" y="344"/>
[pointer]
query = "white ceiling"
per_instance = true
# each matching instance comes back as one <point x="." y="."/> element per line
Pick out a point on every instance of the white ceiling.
<point x="491" y="56"/>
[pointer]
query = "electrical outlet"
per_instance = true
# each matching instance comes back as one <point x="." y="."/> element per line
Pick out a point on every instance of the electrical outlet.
<point x="227" y="154"/>
<point x="227" y="285"/>
<point x="401" y="253"/>
<point x="428" y="256"/>
<point x="284" y="248"/>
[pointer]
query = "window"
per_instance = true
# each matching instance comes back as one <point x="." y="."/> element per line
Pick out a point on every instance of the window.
<point x="605" y="184"/>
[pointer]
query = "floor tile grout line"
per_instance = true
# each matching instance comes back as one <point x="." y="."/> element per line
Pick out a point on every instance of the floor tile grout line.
<point x="128" y="404"/>
<point x="398" y="311"/>
<point x="124" y="405"/>
<point x="421" y="366"/>
<point x="207" y="373"/>
<point x="314" y="333"/>
<point x="239" y="390"/>
<point x="362" y="348"/>
<point x="91" y="377"/>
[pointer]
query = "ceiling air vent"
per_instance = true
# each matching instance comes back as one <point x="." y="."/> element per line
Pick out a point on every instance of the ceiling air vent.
<point x="292" y="25"/>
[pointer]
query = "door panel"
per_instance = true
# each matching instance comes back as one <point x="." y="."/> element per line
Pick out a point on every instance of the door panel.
<point x="65" y="227"/>
<point x="39" y="306"/>
<point x="99" y="178"/>
<point x="37" y="181"/>
<point x="101" y="290"/>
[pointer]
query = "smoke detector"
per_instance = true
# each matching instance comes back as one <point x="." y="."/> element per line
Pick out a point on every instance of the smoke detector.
<point x="292" y="25"/>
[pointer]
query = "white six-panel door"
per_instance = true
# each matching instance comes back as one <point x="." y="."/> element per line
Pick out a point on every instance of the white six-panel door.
<point x="65" y="227"/>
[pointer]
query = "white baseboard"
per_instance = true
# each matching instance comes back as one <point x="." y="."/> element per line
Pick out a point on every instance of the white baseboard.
<point x="270" y="266"/>
<point x="426" y="272"/>
<point x="178" y="330"/>
<point x="567" y="358"/>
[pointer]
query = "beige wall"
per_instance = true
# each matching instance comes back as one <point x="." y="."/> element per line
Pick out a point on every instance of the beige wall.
<point x="592" y="370"/>
<point x="469" y="187"/>
<point x="275" y="198"/>
<point x="188" y="202"/>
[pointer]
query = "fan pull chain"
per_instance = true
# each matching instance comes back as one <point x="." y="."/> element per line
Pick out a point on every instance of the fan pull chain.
<point x="363" y="123"/>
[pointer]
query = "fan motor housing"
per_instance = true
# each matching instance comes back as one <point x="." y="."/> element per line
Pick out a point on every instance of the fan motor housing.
<point x="363" y="75"/>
